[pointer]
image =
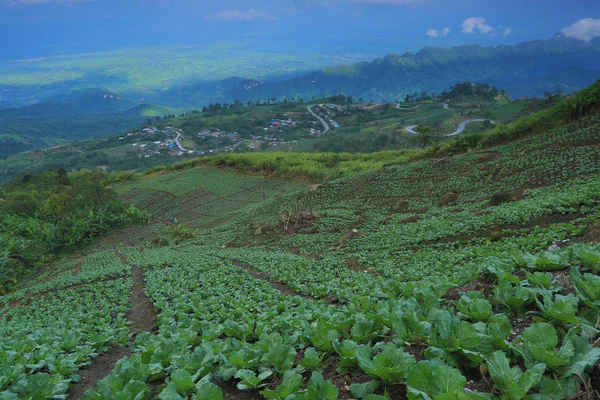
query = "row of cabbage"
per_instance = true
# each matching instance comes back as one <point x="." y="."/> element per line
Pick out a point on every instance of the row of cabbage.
<point x="46" y="342"/>
<point x="217" y="323"/>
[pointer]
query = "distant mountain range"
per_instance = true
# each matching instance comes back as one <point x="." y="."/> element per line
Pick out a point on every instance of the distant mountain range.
<point x="75" y="116"/>
<point x="526" y="69"/>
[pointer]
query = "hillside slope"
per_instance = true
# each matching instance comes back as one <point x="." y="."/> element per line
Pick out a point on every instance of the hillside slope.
<point x="475" y="276"/>
<point x="549" y="62"/>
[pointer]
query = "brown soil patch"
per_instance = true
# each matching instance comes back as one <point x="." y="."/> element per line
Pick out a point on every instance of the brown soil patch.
<point x="476" y="381"/>
<point x="416" y="351"/>
<point x="518" y="326"/>
<point x="479" y="285"/>
<point x="592" y="233"/>
<point x="396" y="392"/>
<point x="487" y="157"/>
<point x="355" y="266"/>
<point x="101" y="367"/>
<point x="231" y="392"/>
<point x="447" y="199"/>
<point x="142" y="314"/>
<point x="342" y="382"/>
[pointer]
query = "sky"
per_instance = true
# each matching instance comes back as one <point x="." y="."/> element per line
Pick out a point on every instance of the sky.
<point x="36" y="28"/>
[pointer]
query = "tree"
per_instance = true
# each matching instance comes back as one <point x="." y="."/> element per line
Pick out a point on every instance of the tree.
<point x="425" y="136"/>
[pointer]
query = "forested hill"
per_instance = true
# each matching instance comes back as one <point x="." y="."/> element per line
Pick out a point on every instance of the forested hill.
<point x="556" y="64"/>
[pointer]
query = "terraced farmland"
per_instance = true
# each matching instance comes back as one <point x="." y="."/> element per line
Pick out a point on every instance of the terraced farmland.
<point x="469" y="277"/>
<point x="204" y="197"/>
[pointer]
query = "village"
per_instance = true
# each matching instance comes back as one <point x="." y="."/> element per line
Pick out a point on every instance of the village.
<point x="289" y="128"/>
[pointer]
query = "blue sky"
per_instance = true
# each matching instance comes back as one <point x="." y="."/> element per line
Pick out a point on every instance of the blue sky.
<point x="31" y="28"/>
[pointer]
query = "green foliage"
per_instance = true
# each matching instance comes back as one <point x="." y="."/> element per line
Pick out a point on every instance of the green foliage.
<point x="428" y="380"/>
<point x="587" y="286"/>
<point x="52" y="212"/>
<point x="392" y="365"/>
<point x="311" y="166"/>
<point x="475" y="306"/>
<point x="512" y="382"/>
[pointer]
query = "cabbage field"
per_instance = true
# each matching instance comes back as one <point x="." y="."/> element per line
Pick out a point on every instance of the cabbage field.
<point x="475" y="276"/>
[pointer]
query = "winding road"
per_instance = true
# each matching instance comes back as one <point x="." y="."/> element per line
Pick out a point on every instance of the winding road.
<point x="407" y="108"/>
<point x="319" y="118"/>
<point x="461" y="127"/>
<point x="178" y="143"/>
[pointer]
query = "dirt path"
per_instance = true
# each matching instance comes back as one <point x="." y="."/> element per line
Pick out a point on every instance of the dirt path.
<point x="142" y="318"/>
<point x="102" y="366"/>
<point x="142" y="314"/>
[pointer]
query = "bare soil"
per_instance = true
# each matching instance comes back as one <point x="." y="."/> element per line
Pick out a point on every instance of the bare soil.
<point x="479" y="285"/>
<point x="102" y="366"/>
<point x="518" y="326"/>
<point x="342" y="382"/>
<point x="355" y="266"/>
<point x="231" y="392"/>
<point x="142" y="314"/>
<point x="592" y="233"/>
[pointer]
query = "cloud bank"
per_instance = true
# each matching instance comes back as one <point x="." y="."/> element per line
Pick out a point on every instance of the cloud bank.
<point x="585" y="29"/>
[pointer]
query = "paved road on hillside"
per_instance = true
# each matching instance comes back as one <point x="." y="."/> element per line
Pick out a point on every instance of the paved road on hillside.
<point x="461" y="127"/>
<point x="177" y="142"/>
<point x="319" y="118"/>
<point x="407" y="108"/>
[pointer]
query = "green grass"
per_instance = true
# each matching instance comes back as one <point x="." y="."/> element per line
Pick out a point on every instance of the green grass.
<point x="315" y="167"/>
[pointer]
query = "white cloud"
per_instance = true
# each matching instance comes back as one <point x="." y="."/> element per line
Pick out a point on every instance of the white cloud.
<point x="585" y="29"/>
<point x="238" y="15"/>
<point x="507" y="31"/>
<point x="476" y="24"/>
<point x="438" y="32"/>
